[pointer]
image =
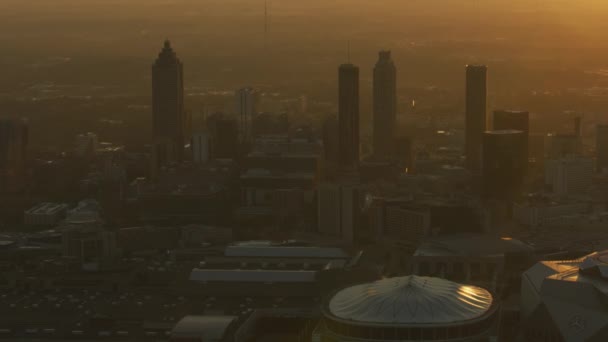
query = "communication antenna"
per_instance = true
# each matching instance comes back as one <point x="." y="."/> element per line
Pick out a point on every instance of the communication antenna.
<point x="265" y="23"/>
<point x="348" y="50"/>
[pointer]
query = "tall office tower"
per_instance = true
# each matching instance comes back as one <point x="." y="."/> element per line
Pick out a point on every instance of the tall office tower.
<point x="170" y="121"/>
<point x="348" y="116"/>
<point x="385" y="104"/>
<point x="331" y="141"/>
<point x="246" y="100"/>
<point x="475" y="115"/>
<point x="503" y="167"/>
<point x="517" y="120"/>
<point x="13" y="145"/>
<point x="601" y="148"/>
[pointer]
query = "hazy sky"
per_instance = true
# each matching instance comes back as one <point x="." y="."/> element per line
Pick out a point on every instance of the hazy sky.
<point x="213" y="36"/>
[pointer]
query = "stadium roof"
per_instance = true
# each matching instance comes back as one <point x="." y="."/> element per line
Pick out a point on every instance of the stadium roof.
<point x="411" y="300"/>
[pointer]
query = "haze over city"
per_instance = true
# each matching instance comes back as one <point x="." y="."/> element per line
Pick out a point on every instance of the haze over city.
<point x="320" y="170"/>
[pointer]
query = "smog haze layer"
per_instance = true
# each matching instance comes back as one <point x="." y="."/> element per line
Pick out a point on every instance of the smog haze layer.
<point x="551" y="43"/>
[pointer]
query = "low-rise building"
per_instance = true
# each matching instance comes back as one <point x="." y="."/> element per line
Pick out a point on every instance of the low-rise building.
<point x="544" y="211"/>
<point x="45" y="214"/>
<point x="488" y="261"/>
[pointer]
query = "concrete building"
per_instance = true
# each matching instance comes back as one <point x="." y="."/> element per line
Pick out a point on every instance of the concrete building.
<point x="504" y="164"/>
<point x="224" y="137"/>
<point x="566" y="300"/>
<point x="45" y="214"/>
<point x="536" y="213"/>
<point x="204" y="328"/>
<point x="515" y="120"/>
<point x="409" y="308"/>
<point x="276" y="269"/>
<point x="601" y="148"/>
<point x="13" y="156"/>
<point x="86" y="144"/>
<point x="201" y="148"/>
<point x="487" y="261"/>
<point x="385" y="104"/>
<point x="475" y="115"/>
<point x="92" y="247"/>
<point x="246" y="104"/>
<point x="339" y="210"/>
<point x="569" y="176"/>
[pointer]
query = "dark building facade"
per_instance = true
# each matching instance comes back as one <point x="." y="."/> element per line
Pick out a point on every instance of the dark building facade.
<point x="601" y="147"/>
<point x="170" y="122"/>
<point x="503" y="167"/>
<point x="348" y="116"/>
<point x="13" y="145"/>
<point x="475" y="115"/>
<point x="224" y="137"/>
<point x="517" y="120"/>
<point x="385" y="104"/>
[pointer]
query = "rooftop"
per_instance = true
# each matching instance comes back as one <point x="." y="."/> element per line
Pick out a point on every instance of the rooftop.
<point x="46" y="208"/>
<point x="283" y="250"/>
<point x="411" y="300"/>
<point x="205" y="328"/>
<point x="252" y="276"/>
<point x="471" y="245"/>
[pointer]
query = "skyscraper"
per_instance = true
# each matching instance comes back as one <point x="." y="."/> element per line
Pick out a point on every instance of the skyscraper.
<point x="246" y="107"/>
<point x="503" y="167"/>
<point x="13" y="145"/>
<point x="475" y="115"/>
<point x="169" y="118"/>
<point x="385" y="104"/>
<point x="517" y="120"/>
<point x="348" y="116"/>
<point x="601" y="147"/>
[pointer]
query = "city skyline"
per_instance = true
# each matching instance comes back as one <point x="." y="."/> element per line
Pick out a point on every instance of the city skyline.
<point x="443" y="178"/>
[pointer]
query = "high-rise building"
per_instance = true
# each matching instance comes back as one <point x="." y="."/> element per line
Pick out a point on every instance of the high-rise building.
<point x="569" y="176"/>
<point x="475" y="115"/>
<point x="86" y="144"/>
<point x="200" y="147"/>
<point x="246" y="100"/>
<point x="348" y="116"/>
<point x="601" y="148"/>
<point x="385" y="104"/>
<point x="13" y="145"/>
<point x="517" y="120"/>
<point x="503" y="165"/>
<point x="563" y="145"/>
<point x="331" y="147"/>
<point x="224" y="134"/>
<point x="170" y="122"/>
<point x="339" y="210"/>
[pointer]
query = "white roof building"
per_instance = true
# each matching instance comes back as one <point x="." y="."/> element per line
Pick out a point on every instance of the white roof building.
<point x="567" y="300"/>
<point x="409" y="308"/>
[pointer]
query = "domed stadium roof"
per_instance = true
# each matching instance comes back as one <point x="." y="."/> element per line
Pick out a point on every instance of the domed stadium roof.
<point x="410" y="300"/>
